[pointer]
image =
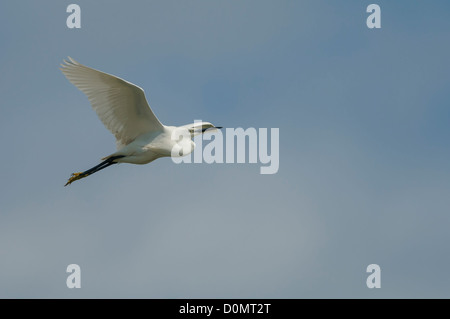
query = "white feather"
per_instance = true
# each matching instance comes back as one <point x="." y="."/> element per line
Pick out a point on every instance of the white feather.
<point x="120" y="105"/>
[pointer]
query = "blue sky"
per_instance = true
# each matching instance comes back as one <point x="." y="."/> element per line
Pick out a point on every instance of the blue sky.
<point x="364" y="151"/>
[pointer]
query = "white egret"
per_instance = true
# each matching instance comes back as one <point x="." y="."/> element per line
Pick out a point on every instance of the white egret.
<point x="122" y="107"/>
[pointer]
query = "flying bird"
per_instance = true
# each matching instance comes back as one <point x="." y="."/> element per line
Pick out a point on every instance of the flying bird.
<point x="122" y="107"/>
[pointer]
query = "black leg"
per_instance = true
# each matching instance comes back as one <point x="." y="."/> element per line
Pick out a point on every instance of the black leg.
<point x="99" y="167"/>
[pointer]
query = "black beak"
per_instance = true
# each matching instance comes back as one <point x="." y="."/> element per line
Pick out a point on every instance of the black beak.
<point x="204" y="129"/>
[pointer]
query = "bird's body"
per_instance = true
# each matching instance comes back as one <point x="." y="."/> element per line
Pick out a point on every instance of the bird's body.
<point x="122" y="107"/>
<point x="149" y="146"/>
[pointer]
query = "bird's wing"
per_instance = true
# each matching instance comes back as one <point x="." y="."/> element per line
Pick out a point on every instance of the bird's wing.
<point x="120" y="105"/>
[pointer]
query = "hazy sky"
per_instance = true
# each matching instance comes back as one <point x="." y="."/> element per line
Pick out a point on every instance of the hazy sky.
<point x="364" y="171"/>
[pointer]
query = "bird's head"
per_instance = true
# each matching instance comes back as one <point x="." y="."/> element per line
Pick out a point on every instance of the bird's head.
<point x="198" y="128"/>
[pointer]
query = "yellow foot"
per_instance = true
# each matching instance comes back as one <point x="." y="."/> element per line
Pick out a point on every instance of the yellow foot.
<point x="74" y="177"/>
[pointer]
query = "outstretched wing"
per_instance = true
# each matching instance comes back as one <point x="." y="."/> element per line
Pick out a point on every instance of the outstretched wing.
<point x="120" y="105"/>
